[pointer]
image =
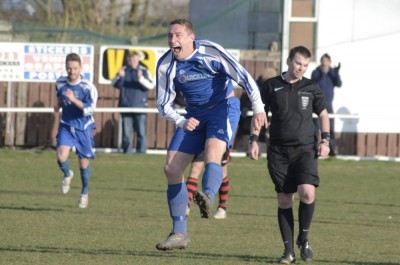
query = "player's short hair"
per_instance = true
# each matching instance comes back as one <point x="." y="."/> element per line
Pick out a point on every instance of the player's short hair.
<point x="73" y="57"/>
<point x="301" y="50"/>
<point x="183" y="22"/>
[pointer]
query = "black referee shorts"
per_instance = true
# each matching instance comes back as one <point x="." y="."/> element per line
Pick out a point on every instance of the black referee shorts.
<point x="290" y="166"/>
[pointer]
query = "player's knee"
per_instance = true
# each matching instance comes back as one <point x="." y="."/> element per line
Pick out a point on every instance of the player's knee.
<point x="306" y="193"/>
<point x="62" y="157"/>
<point x="307" y="197"/>
<point x="285" y="204"/>
<point x="170" y="170"/>
<point x="285" y="201"/>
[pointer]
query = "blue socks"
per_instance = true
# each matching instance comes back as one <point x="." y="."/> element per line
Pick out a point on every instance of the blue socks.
<point x="85" y="176"/>
<point x="64" y="166"/>
<point x="177" y="196"/>
<point x="212" y="179"/>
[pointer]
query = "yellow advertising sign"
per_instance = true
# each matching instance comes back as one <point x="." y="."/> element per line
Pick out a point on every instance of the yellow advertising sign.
<point x="113" y="58"/>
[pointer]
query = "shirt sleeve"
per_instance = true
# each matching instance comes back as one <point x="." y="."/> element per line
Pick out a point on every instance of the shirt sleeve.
<point x="240" y="75"/>
<point x="265" y="95"/>
<point x="165" y="90"/>
<point x="319" y="103"/>
<point x="90" y="99"/>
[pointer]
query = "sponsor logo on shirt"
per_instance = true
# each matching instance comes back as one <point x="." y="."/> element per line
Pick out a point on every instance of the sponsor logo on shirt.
<point x="278" y="88"/>
<point x="192" y="77"/>
<point x="220" y="131"/>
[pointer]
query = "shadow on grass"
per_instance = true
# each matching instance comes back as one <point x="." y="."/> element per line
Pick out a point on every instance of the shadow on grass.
<point x="131" y="189"/>
<point x="373" y="204"/>
<point x="251" y="214"/>
<point x="357" y="262"/>
<point x="253" y="196"/>
<point x="156" y="254"/>
<point x="26" y="193"/>
<point x="382" y="223"/>
<point x="23" y="208"/>
<point x="173" y="254"/>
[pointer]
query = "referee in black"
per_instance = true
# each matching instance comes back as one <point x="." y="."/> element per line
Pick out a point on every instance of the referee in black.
<point x="293" y="151"/>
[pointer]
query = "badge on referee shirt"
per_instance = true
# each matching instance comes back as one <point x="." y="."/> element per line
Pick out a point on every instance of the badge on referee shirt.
<point x="304" y="102"/>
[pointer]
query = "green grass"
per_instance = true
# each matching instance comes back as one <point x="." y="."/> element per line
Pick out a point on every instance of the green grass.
<point x="357" y="218"/>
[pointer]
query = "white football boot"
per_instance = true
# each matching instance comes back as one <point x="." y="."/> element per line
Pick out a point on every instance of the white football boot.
<point x="83" y="201"/>
<point x="66" y="183"/>
<point x="220" y="214"/>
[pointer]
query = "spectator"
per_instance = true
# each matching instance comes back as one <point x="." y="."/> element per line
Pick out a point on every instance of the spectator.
<point x="328" y="78"/>
<point x="133" y="81"/>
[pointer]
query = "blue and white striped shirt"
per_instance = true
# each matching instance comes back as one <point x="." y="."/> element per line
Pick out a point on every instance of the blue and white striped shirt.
<point x="71" y="115"/>
<point x="204" y="78"/>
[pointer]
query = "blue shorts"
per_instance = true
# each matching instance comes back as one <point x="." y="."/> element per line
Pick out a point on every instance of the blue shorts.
<point x="218" y="122"/>
<point x="82" y="140"/>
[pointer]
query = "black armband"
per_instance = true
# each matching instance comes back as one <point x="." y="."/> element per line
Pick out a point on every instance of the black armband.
<point x="253" y="138"/>
<point x="325" y="136"/>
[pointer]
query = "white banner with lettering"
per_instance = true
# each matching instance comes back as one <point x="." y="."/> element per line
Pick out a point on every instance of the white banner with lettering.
<point x="41" y="62"/>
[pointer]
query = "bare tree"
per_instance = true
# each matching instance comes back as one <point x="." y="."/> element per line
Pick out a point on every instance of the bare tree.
<point x="68" y="20"/>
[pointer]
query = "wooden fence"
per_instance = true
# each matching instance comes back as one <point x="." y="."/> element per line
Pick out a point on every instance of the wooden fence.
<point x="40" y="129"/>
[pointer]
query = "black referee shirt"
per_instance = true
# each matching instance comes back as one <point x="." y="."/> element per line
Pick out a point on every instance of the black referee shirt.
<point x="292" y="106"/>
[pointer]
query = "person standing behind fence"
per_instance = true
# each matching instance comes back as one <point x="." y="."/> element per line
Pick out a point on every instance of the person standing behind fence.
<point x="77" y="97"/>
<point x="328" y="78"/>
<point x="133" y="81"/>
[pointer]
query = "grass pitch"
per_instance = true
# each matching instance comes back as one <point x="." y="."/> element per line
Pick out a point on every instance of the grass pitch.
<point x="357" y="218"/>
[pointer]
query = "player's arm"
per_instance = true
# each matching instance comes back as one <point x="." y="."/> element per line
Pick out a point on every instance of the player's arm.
<point x="70" y="95"/>
<point x="239" y="74"/>
<point x="57" y="106"/>
<point x="90" y="100"/>
<point x="323" y="147"/>
<point x="319" y="107"/>
<point x="165" y="92"/>
<point x="253" y="150"/>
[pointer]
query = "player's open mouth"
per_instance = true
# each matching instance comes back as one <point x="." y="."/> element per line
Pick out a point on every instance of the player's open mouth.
<point x="176" y="49"/>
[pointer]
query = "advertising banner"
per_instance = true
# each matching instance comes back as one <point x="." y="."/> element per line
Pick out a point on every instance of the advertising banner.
<point x="41" y="62"/>
<point x="11" y="62"/>
<point x="112" y="58"/>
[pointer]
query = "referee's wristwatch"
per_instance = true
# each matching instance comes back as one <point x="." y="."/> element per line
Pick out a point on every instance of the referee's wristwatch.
<point x="253" y="138"/>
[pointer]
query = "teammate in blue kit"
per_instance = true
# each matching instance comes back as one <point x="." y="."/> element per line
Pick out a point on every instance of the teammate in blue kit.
<point x="203" y="71"/>
<point x="77" y="97"/>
